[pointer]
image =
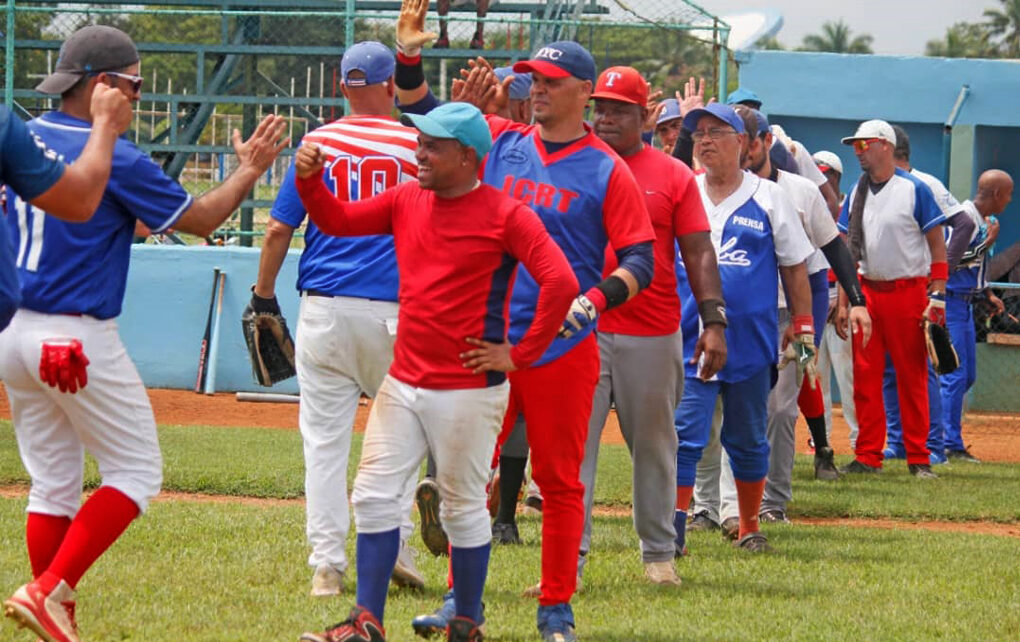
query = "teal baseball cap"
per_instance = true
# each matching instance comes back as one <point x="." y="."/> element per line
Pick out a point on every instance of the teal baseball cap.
<point x="460" y="121"/>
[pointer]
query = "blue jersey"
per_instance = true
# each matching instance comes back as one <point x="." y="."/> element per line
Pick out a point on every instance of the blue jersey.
<point x="29" y="169"/>
<point x="586" y="197"/>
<point x="755" y="230"/>
<point x="81" y="268"/>
<point x="970" y="276"/>
<point x="365" y="155"/>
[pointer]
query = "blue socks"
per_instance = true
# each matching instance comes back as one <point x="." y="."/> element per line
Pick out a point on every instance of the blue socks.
<point x="680" y="524"/>
<point x="469" y="567"/>
<point x="376" y="557"/>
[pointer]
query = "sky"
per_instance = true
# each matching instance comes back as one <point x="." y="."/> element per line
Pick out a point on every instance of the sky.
<point x="898" y="26"/>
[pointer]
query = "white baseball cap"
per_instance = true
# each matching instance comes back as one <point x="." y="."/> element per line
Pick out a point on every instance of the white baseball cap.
<point x="827" y="160"/>
<point x="873" y="129"/>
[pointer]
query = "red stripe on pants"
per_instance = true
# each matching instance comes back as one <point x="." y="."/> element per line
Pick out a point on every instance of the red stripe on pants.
<point x="896" y="315"/>
<point x="556" y="401"/>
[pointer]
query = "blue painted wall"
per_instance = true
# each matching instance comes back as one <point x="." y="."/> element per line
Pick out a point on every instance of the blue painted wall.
<point x="166" y="307"/>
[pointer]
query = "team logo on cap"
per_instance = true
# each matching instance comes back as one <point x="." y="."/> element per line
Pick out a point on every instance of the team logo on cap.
<point x="549" y="53"/>
<point x="611" y="77"/>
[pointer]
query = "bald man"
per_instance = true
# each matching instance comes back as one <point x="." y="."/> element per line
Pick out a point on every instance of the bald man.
<point x="966" y="284"/>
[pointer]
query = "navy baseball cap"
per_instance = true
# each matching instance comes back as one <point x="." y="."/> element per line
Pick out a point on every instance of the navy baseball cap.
<point x="742" y="95"/>
<point x="90" y="50"/>
<point x="763" y="122"/>
<point x="724" y="113"/>
<point x="670" y="111"/>
<point x="460" y="121"/>
<point x="371" y="58"/>
<point x="560" y="59"/>
<point x="520" y="86"/>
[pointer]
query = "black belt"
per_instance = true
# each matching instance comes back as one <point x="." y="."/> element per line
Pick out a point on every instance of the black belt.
<point x="326" y="295"/>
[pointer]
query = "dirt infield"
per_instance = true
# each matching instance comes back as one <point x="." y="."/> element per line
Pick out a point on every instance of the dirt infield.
<point x="991" y="437"/>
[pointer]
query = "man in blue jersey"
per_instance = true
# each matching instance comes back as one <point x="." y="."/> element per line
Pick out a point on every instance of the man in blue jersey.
<point x="73" y="279"/>
<point x="348" y="318"/>
<point x="43" y="180"/>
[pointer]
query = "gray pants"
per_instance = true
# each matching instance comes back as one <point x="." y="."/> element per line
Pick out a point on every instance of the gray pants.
<point x="643" y="377"/>
<point x="715" y="494"/>
<point x="780" y="430"/>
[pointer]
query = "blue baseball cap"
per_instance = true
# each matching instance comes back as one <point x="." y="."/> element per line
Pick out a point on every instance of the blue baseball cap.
<point x="670" y="111"/>
<point x="560" y="59"/>
<point x="373" y="59"/>
<point x="724" y="113"/>
<point x="763" y="122"/>
<point x="459" y="121"/>
<point x="742" y="95"/>
<point x="520" y="86"/>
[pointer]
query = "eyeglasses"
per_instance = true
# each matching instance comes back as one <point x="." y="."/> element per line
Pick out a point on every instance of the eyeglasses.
<point x="715" y="133"/>
<point x="135" y="81"/>
<point x="861" y="144"/>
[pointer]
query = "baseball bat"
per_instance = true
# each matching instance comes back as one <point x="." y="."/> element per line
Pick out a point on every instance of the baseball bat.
<point x="204" y="350"/>
<point x="214" y="341"/>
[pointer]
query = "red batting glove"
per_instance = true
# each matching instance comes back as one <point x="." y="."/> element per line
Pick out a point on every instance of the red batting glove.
<point x="936" y="310"/>
<point x="62" y="364"/>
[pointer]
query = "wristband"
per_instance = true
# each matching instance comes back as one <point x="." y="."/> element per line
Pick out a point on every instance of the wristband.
<point x="612" y="291"/>
<point x="409" y="73"/>
<point x="803" y="324"/>
<point x="939" y="271"/>
<point x="597" y="299"/>
<point x="713" y="311"/>
<point x="409" y="53"/>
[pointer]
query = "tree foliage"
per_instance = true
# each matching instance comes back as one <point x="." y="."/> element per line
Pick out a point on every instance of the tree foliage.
<point x="997" y="37"/>
<point x="836" y="37"/>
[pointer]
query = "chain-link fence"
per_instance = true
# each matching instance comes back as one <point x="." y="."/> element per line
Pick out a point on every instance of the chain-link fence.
<point x="214" y="65"/>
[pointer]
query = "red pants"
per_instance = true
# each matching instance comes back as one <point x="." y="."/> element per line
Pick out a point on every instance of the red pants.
<point x="555" y="399"/>
<point x="896" y="309"/>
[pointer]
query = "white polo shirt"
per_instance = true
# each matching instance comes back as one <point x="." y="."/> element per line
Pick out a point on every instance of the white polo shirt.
<point x="895" y="222"/>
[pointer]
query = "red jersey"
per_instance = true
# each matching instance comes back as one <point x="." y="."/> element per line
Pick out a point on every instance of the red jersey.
<point x="456" y="259"/>
<point x="674" y="204"/>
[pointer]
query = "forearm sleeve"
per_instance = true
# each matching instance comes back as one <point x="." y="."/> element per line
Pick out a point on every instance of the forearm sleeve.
<point x="963" y="229"/>
<point x="639" y="260"/>
<point x="838" y="256"/>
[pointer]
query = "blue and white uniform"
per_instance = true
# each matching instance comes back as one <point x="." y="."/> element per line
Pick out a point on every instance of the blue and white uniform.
<point x="73" y="278"/>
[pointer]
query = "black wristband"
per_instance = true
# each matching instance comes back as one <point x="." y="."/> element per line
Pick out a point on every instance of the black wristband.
<point x="409" y="77"/>
<point x="615" y="290"/>
<point x="713" y="311"/>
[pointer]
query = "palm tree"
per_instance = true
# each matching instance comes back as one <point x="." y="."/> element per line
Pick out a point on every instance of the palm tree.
<point x="836" y="38"/>
<point x="1006" y="24"/>
<point x="963" y="40"/>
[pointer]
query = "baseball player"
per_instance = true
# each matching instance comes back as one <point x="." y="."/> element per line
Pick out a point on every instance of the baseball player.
<point x="785" y="397"/>
<point x="44" y="182"/>
<point x="960" y="229"/>
<point x="966" y="284"/>
<point x="757" y="235"/>
<point x="893" y="225"/>
<point x="458" y="243"/>
<point x="348" y="315"/>
<point x="65" y="333"/>
<point x="668" y="124"/>
<point x="586" y="197"/>
<point x="640" y="348"/>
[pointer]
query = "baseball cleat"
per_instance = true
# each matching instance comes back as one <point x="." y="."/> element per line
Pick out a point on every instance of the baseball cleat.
<point x="825" y="467"/>
<point x="894" y="451"/>
<point x="857" y="467"/>
<point x="437" y="622"/>
<point x="532" y="505"/>
<point x="730" y="528"/>
<point x="442" y="42"/>
<point x="922" y="471"/>
<point x="505" y="534"/>
<point x="462" y="629"/>
<point x="478" y="42"/>
<point x="962" y="456"/>
<point x="360" y="626"/>
<point x="50" y="616"/>
<point x="432" y="533"/>
<point x="556" y="623"/>
<point x="535" y="591"/>
<point x="702" y="522"/>
<point x="663" y="573"/>
<point x="406" y="573"/>
<point x="754" y="543"/>
<point x="773" y="516"/>
<point x="327" y="581"/>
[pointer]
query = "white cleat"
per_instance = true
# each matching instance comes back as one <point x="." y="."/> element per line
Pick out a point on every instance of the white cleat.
<point x="406" y="573"/>
<point x="662" y="573"/>
<point x="327" y="581"/>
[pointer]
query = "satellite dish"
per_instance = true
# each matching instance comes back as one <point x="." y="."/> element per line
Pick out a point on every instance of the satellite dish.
<point x="747" y="28"/>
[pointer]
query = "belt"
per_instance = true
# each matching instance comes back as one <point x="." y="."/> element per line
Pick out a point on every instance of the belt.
<point x="325" y="295"/>
<point x="966" y="297"/>
<point x="897" y="284"/>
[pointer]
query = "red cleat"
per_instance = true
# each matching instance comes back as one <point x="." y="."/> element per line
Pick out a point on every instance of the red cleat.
<point x="50" y="616"/>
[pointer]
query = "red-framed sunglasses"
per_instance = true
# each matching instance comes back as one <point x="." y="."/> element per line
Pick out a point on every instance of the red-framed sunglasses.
<point x="861" y="144"/>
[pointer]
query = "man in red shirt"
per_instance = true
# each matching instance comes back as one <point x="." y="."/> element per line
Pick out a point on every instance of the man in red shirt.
<point x="640" y="347"/>
<point x="458" y="243"/>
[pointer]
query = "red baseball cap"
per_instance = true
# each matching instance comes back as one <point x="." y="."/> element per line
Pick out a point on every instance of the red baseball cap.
<point x="624" y="84"/>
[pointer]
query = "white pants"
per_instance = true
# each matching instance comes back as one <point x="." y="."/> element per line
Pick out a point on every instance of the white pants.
<point x="344" y="348"/>
<point x="459" y="427"/>
<point x="837" y="355"/>
<point x="111" y="417"/>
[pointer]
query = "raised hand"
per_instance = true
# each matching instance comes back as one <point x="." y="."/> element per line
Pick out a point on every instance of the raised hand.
<point x="110" y="107"/>
<point x="309" y="160"/>
<point x="263" y="146"/>
<point x="655" y="107"/>
<point x="693" y="96"/>
<point x="411" y="34"/>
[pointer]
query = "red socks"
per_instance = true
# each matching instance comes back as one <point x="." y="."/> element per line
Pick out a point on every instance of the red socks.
<point x="98" y="524"/>
<point x="683" y="497"/>
<point x="749" y="496"/>
<point x="44" y="534"/>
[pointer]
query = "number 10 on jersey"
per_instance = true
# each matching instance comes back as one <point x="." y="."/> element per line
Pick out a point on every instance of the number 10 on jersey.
<point x="369" y="176"/>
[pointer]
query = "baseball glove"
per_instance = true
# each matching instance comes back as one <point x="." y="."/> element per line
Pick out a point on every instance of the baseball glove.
<point x="940" y="348"/>
<point x="269" y="344"/>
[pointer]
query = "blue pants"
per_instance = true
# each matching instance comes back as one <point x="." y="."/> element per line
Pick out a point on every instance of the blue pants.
<point x="745" y="405"/>
<point x="894" y="428"/>
<point x="819" y="302"/>
<point x="960" y="322"/>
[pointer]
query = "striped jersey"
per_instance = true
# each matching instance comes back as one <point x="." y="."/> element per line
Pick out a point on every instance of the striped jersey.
<point x="971" y="275"/>
<point x="365" y="155"/>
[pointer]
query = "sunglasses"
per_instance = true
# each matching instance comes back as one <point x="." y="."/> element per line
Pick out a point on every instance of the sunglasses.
<point x="714" y="133"/>
<point x="135" y="82"/>
<point x="861" y="145"/>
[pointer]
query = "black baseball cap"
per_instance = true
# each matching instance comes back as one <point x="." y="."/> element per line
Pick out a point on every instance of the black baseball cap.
<point x="92" y="49"/>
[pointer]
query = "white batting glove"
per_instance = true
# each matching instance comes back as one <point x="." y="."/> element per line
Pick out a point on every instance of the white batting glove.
<point x="802" y="353"/>
<point x="582" y="313"/>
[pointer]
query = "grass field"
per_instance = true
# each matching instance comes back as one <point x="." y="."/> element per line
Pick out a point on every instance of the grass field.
<point x="198" y="569"/>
